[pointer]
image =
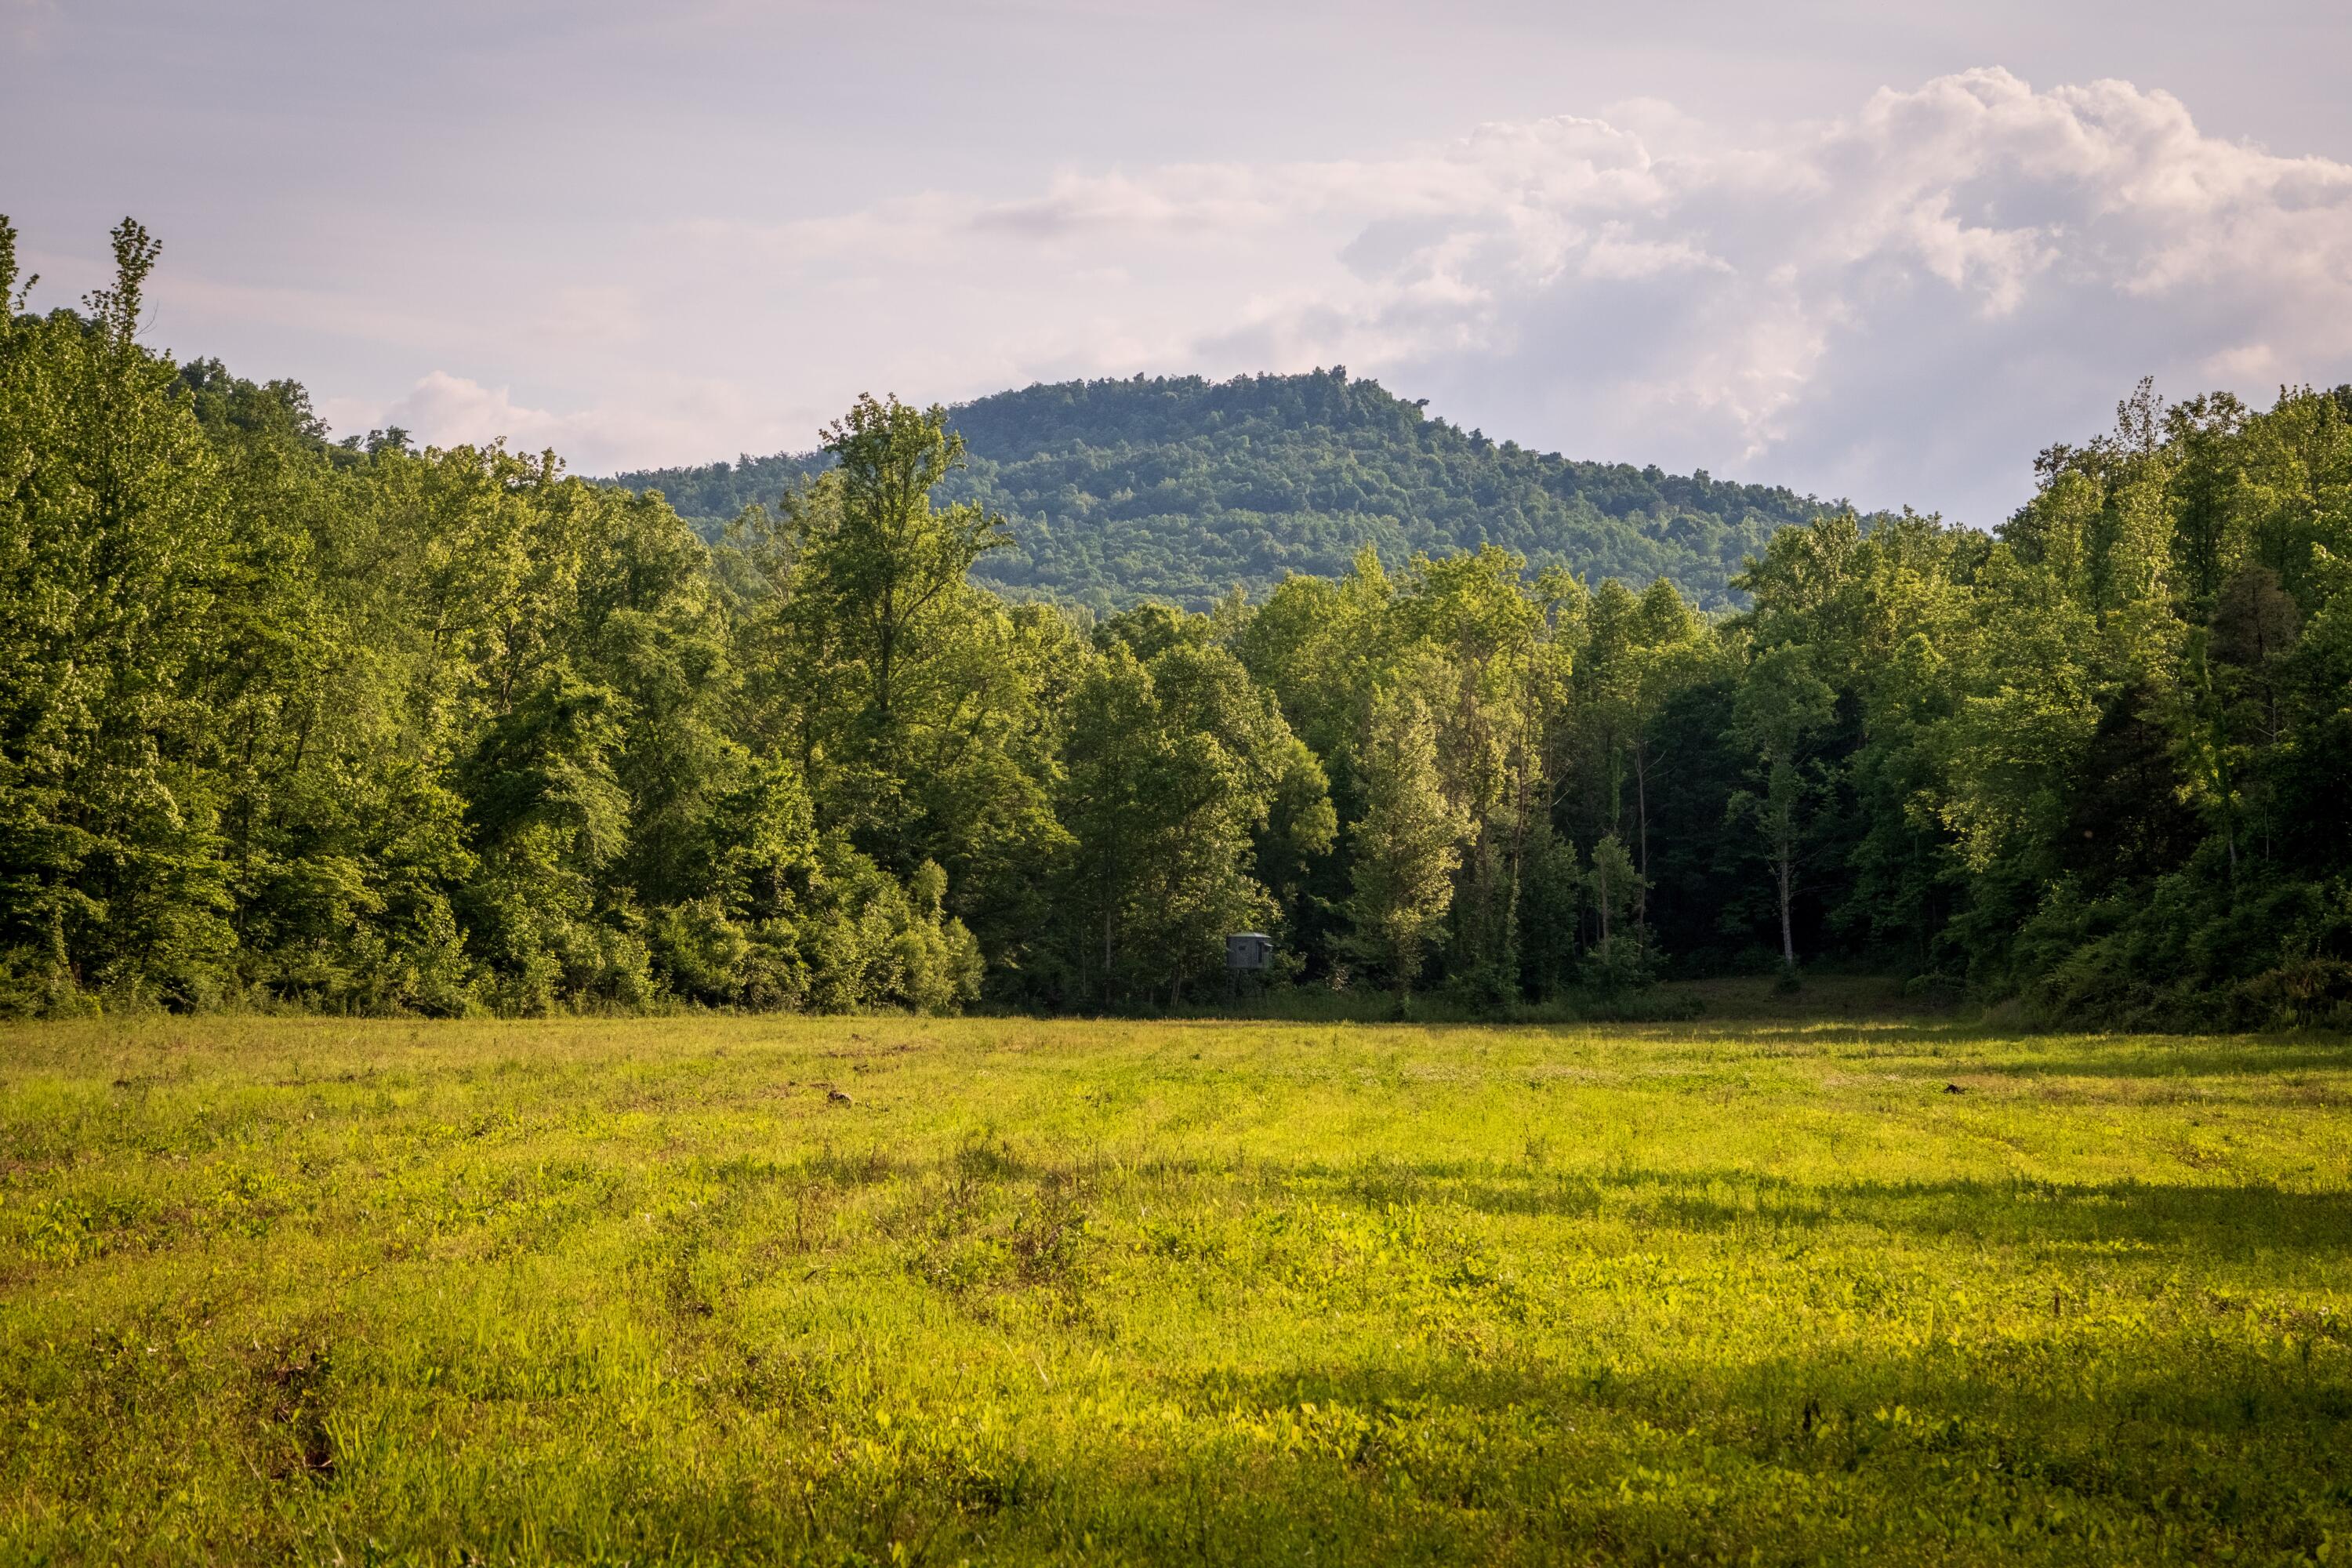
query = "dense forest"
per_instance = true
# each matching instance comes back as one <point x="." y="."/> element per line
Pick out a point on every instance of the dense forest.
<point x="1178" y="490"/>
<point x="352" y="726"/>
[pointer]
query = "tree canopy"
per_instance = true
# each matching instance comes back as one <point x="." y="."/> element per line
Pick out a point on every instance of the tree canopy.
<point x="354" y="726"/>
<point x="1178" y="489"/>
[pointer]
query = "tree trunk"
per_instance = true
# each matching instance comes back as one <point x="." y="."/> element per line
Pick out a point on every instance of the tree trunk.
<point x="1786" y="870"/>
<point x="1107" y="950"/>
<point x="1642" y="842"/>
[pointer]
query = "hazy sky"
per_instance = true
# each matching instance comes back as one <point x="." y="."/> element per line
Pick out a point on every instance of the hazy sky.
<point x="1862" y="254"/>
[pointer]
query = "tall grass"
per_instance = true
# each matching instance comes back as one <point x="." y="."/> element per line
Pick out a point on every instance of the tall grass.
<point x="1781" y="1289"/>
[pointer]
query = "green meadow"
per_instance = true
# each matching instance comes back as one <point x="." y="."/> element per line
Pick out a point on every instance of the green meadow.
<point x="1745" y="1288"/>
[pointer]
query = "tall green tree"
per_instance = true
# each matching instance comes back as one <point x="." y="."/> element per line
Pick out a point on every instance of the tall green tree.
<point x="1409" y="842"/>
<point x="1782" y="707"/>
<point x="883" y="556"/>
<point x="1174" y="768"/>
<point x="114" y="553"/>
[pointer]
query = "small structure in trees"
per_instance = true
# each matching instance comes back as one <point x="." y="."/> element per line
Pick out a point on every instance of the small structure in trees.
<point x="1246" y="952"/>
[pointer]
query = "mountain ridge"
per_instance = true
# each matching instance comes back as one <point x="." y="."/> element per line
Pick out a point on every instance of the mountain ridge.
<point x="1178" y="488"/>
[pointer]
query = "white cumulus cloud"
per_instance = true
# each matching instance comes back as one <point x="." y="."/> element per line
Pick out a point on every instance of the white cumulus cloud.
<point x="658" y="426"/>
<point x="1901" y="302"/>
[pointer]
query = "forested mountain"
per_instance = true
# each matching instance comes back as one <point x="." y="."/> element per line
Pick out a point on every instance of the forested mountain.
<point x="1178" y="489"/>
<point x="362" y="728"/>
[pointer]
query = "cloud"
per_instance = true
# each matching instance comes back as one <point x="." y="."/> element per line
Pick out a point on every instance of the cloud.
<point x="672" y="425"/>
<point x="1902" y="303"/>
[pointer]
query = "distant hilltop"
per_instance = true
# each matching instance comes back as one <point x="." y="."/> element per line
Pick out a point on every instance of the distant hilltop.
<point x="1178" y="488"/>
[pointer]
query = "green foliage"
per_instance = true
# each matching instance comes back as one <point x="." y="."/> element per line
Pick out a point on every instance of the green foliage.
<point x="361" y="728"/>
<point x="1178" y="489"/>
<point x="1781" y="708"/>
<point x="365" y="729"/>
<point x="1408" y="843"/>
<point x="1176" y="766"/>
<point x="1620" y="960"/>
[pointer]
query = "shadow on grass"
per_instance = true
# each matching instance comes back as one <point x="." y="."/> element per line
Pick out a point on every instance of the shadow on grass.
<point x="1876" y="1036"/>
<point x="1945" y="1047"/>
<point x="2220" y="1220"/>
<point x="2228" y="1221"/>
<point x="2148" y="1060"/>
<point x="2233" y="1394"/>
<point x="2192" y="1443"/>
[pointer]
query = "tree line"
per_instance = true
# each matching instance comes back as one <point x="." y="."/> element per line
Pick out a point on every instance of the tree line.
<point x="359" y="727"/>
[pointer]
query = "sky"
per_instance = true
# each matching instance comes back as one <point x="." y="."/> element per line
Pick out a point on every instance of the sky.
<point x="1881" y="253"/>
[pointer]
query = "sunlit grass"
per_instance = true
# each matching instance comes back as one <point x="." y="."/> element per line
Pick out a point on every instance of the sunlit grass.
<point x="1103" y="1292"/>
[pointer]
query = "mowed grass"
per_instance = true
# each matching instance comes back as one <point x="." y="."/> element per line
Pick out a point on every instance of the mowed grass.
<point x="1118" y="1292"/>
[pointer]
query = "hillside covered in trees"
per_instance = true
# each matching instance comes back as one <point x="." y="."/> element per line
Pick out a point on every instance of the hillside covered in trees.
<point x="1179" y="489"/>
<point x="357" y="727"/>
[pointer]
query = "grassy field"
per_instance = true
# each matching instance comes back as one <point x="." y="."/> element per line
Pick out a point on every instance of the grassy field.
<point x="1104" y="1292"/>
